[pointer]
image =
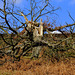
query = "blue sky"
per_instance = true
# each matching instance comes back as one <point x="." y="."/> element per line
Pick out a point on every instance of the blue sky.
<point x="63" y="16"/>
<point x="65" y="6"/>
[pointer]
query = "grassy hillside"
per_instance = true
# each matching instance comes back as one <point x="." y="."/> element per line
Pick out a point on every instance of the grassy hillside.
<point x="57" y="61"/>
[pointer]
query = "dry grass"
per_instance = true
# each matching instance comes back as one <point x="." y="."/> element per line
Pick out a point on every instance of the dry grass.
<point x="38" y="67"/>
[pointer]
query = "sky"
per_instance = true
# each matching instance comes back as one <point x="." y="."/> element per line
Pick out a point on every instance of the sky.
<point x="65" y="7"/>
<point x="62" y="16"/>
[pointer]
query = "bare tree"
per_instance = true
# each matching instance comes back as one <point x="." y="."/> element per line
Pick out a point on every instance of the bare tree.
<point x="32" y="37"/>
